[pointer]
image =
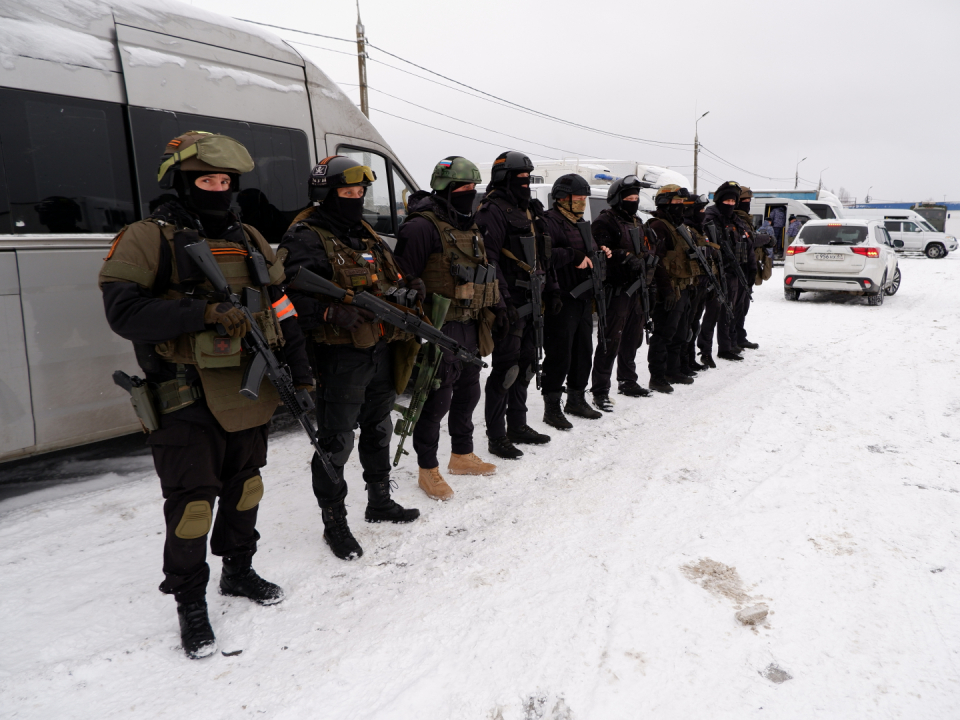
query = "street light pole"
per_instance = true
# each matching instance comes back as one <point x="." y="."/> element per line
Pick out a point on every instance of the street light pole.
<point x="696" y="148"/>
<point x="362" y="63"/>
<point x="820" y="184"/>
<point x="796" y="177"/>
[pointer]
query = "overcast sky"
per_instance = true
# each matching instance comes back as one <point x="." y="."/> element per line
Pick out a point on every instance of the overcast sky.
<point x="866" y="91"/>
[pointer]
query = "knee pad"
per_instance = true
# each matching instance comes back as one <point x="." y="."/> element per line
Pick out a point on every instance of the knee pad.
<point x="252" y="493"/>
<point x="511" y="377"/>
<point x="196" y="520"/>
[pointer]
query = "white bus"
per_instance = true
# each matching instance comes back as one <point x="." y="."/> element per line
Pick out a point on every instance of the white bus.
<point x="89" y="95"/>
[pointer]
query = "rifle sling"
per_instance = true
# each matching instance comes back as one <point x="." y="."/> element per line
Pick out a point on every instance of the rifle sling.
<point x="520" y="263"/>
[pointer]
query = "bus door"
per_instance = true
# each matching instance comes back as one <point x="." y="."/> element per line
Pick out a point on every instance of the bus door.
<point x="777" y="215"/>
<point x="16" y="411"/>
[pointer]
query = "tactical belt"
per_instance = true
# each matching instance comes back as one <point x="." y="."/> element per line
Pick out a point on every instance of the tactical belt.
<point x="175" y="394"/>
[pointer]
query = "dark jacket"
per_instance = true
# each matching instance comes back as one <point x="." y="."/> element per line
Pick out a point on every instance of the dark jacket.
<point x="662" y="244"/>
<point x="568" y="252"/>
<point x="610" y="229"/>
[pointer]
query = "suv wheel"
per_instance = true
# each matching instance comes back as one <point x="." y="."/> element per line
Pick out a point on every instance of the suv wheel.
<point x="936" y="250"/>
<point x="791" y="294"/>
<point x="895" y="283"/>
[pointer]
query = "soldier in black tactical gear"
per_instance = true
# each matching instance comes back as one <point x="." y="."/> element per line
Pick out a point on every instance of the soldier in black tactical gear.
<point x="676" y="274"/>
<point x="354" y="363"/>
<point x="721" y="216"/>
<point x="568" y="326"/>
<point x="506" y="216"/>
<point x="208" y="441"/>
<point x="625" y="317"/>
<point x="752" y="267"/>
<point x="702" y="290"/>
<point x="440" y="243"/>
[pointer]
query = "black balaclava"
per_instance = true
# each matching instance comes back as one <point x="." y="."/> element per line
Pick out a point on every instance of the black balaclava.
<point x="673" y="212"/>
<point x="726" y="211"/>
<point x="211" y="206"/>
<point x="693" y="215"/>
<point x="516" y="185"/>
<point x="350" y="210"/>
<point x="462" y="201"/>
<point x="744" y="205"/>
<point x="629" y="207"/>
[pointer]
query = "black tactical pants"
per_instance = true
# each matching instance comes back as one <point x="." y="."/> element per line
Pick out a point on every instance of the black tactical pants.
<point x="727" y="326"/>
<point x="743" y="308"/>
<point x="624" y="335"/>
<point x="568" y="346"/>
<point x="698" y="301"/>
<point x="666" y="342"/>
<point x="458" y="394"/>
<point x="355" y="388"/>
<point x="513" y="367"/>
<point x="198" y="461"/>
<point x="715" y="317"/>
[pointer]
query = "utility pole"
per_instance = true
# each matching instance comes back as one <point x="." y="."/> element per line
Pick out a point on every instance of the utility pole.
<point x="362" y="63"/>
<point x="820" y="184"/>
<point x="696" y="148"/>
<point x="796" y="177"/>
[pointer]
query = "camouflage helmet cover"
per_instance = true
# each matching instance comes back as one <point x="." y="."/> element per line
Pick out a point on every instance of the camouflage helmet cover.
<point x="200" y="151"/>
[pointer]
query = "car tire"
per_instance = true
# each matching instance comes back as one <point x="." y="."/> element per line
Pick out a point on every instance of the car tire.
<point x="791" y="294"/>
<point x="895" y="283"/>
<point x="936" y="251"/>
<point x="876" y="298"/>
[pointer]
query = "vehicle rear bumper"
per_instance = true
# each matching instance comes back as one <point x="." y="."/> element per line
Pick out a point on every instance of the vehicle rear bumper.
<point x="831" y="283"/>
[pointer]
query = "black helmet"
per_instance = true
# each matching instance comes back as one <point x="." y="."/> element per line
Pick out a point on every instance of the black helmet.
<point x="509" y="162"/>
<point x="698" y="201"/>
<point x="338" y="171"/>
<point x="667" y="193"/>
<point x="622" y="187"/>
<point x="571" y="184"/>
<point x="729" y="189"/>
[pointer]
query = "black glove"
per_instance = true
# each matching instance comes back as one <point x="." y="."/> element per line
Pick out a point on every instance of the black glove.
<point x="418" y="285"/>
<point x="501" y="325"/>
<point x="513" y="315"/>
<point x="554" y="303"/>
<point x="578" y="257"/>
<point x="347" y="317"/>
<point x="670" y="301"/>
<point x="633" y="264"/>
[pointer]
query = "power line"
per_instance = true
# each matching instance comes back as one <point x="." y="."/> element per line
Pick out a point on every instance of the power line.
<point x="281" y="27"/>
<point x="737" y="167"/>
<point x="450" y="132"/>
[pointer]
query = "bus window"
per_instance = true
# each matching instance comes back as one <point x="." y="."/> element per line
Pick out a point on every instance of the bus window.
<point x="376" y="202"/>
<point x="270" y="196"/>
<point x="401" y="194"/>
<point x="66" y="164"/>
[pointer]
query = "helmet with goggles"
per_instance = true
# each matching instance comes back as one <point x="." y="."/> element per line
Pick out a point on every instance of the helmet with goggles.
<point x="624" y="187"/>
<point x="667" y="193"/>
<point x="208" y="153"/>
<point x="338" y="171"/>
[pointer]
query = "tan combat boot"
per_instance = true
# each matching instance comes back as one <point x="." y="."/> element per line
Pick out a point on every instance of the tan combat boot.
<point x="433" y="484"/>
<point x="469" y="464"/>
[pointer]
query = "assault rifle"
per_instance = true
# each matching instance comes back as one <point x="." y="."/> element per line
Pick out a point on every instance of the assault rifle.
<point x="401" y="318"/>
<point x="598" y="273"/>
<point x="263" y="361"/>
<point x="695" y="252"/>
<point x="715" y="236"/>
<point x="428" y="362"/>
<point x="649" y="264"/>
<point x="534" y="308"/>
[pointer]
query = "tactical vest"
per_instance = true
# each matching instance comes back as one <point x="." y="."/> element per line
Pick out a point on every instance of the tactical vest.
<point x="681" y="268"/>
<point x="220" y="361"/>
<point x="460" y="247"/>
<point x="710" y="250"/>
<point x="744" y="227"/>
<point x="520" y="223"/>
<point x="371" y="270"/>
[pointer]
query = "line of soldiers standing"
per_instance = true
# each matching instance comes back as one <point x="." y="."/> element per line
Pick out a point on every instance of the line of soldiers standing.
<point x="543" y="276"/>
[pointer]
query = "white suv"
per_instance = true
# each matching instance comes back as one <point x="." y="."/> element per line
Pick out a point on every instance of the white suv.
<point x="842" y="256"/>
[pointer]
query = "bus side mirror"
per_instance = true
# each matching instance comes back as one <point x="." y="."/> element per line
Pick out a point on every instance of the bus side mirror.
<point x="898" y="243"/>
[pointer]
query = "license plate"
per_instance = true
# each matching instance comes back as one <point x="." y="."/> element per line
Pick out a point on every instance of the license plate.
<point x="828" y="256"/>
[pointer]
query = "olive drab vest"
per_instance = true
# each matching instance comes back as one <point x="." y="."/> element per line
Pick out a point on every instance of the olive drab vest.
<point x="220" y="361"/>
<point x="464" y="248"/>
<point x="710" y="250"/>
<point x="679" y="265"/>
<point x="371" y="270"/>
<point x="520" y="223"/>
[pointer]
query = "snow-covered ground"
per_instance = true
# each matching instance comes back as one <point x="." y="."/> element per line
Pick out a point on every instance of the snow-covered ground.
<point x="598" y="577"/>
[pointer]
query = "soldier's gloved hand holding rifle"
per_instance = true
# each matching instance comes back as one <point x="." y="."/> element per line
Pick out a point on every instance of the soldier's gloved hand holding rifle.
<point x="595" y="260"/>
<point x="233" y="321"/>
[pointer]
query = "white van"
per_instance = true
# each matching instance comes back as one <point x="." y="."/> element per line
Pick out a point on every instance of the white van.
<point x="916" y="232"/>
<point x="89" y="95"/>
<point x="596" y="203"/>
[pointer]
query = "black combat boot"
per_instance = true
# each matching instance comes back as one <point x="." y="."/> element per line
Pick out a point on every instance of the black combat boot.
<point x="337" y="533"/>
<point x="679" y="378"/>
<point x="552" y="414"/>
<point x="693" y="364"/>
<point x="382" y="508"/>
<point x="239" y="579"/>
<point x="748" y="345"/>
<point x="630" y="388"/>
<point x="603" y="402"/>
<point x="728" y="355"/>
<point x="196" y="635"/>
<point x="577" y="405"/>
<point x="526" y="435"/>
<point x="502" y="447"/>
<point x="707" y="360"/>
<point x="660" y="384"/>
